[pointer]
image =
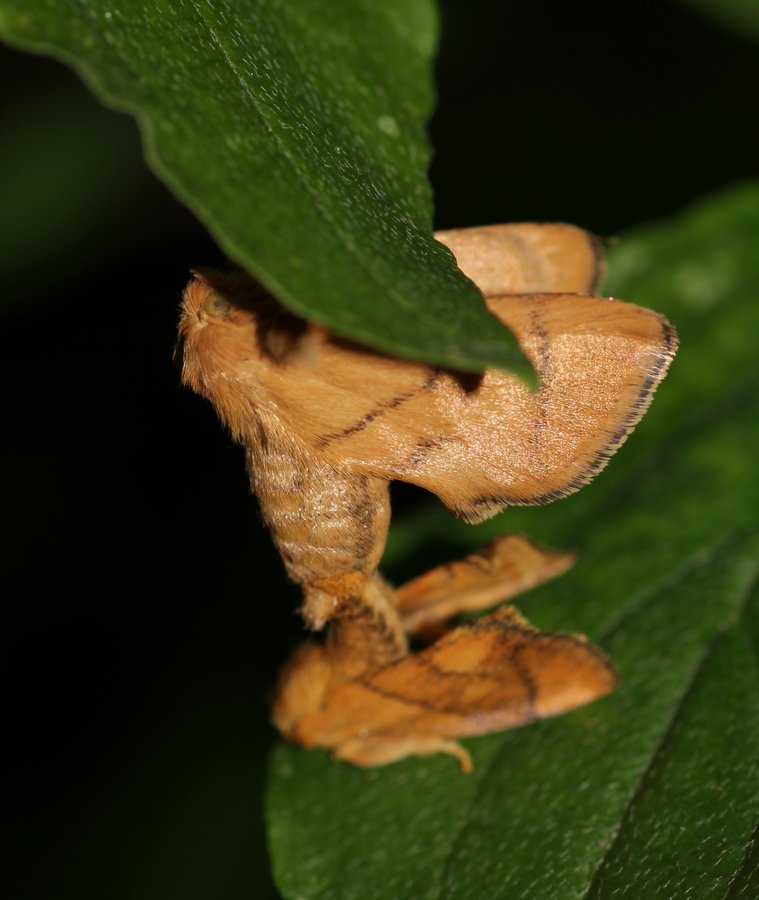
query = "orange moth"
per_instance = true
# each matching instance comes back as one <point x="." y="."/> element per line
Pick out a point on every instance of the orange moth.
<point x="327" y="424"/>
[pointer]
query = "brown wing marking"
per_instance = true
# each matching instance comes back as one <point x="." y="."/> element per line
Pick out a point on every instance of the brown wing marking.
<point x="482" y="444"/>
<point x="496" y="673"/>
<point x="599" y="363"/>
<point x="505" y="567"/>
<point x="379" y="410"/>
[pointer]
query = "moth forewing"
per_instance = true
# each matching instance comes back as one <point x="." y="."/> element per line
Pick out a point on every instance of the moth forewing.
<point x="527" y="257"/>
<point x="482" y="443"/>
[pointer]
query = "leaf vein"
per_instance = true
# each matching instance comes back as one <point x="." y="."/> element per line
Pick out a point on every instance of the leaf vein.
<point x="749" y="864"/>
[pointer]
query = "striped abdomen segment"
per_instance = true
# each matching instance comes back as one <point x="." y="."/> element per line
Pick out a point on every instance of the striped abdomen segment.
<point x="325" y="523"/>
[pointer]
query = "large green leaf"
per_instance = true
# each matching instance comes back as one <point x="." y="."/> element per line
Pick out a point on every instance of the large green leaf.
<point x="295" y="131"/>
<point x="653" y="791"/>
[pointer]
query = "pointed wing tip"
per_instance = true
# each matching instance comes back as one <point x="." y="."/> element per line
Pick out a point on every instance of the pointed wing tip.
<point x="658" y="342"/>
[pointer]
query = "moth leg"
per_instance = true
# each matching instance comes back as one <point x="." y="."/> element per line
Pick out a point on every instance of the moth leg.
<point x="503" y="568"/>
<point x="378" y="752"/>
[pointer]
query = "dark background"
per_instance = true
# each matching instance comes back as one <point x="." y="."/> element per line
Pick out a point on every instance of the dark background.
<point x="147" y="612"/>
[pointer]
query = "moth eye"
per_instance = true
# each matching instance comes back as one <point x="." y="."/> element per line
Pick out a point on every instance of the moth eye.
<point x="216" y="306"/>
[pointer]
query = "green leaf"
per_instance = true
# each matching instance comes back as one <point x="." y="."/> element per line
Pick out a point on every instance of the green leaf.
<point x="295" y="132"/>
<point x="653" y="791"/>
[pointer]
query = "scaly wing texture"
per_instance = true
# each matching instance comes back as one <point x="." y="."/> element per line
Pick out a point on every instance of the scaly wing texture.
<point x="481" y="443"/>
<point x="527" y="257"/>
<point x="506" y="566"/>
<point x="496" y="673"/>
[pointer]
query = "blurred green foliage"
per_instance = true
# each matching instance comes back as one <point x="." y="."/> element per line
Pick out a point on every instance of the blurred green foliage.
<point x="740" y="16"/>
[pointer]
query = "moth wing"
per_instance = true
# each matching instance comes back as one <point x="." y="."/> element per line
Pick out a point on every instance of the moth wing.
<point x="506" y="566"/>
<point x="481" y="443"/>
<point x="527" y="257"/>
<point x="599" y="362"/>
<point x="496" y="673"/>
<point x="484" y="442"/>
<point x="483" y="677"/>
<point x="355" y="387"/>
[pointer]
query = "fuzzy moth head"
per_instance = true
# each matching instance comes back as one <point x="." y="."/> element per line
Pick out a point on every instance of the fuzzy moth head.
<point x="215" y="336"/>
<point x="235" y="340"/>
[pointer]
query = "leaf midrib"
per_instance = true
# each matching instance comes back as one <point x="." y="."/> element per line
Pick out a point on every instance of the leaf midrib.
<point x="748" y="865"/>
<point x="287" y="155"/>
<point x="323" y="212"/>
